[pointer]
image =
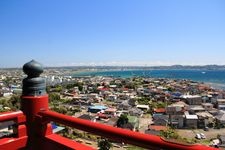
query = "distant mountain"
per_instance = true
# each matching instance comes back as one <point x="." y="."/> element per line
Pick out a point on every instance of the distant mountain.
<point x="176" y="67"/>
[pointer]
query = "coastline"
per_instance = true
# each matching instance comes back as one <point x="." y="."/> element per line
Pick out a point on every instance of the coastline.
<point x="214" y="79"/>
<point x="216" y="85"/>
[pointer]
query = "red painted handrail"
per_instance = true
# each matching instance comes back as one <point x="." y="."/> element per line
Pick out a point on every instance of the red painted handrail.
<point x="19" y="140"/>
<point x="118" y="134"/>
<point x="7" y="116"/>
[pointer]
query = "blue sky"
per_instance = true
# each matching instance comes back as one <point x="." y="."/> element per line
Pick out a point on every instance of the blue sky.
<point x="112" y="32"/>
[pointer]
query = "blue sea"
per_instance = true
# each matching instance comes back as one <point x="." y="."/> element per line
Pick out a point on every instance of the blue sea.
<point x="215" y="78"/>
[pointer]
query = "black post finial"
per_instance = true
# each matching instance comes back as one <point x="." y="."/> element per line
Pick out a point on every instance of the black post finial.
<point x="33" y="85"/>
<point x="33" y="68"/>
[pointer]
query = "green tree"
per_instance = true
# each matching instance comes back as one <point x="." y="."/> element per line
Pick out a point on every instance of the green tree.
<point x="122" y="120"/>
<point x="217" y="124"/>
<point x="143" y="101"/>
<point x="161" y="104"/>
<point x="104" y="144"/>
<point x="15" y="102"/>
<point x="60" y="109"/>
<point x="169" y="134"/>
<point x="130" y="85"/>
<point x="72" y="85"/>
<point x="58" y="88"/>
<point x="54" y="97"/>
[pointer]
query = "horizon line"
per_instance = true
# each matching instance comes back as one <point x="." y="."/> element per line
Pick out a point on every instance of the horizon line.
<point x="143" y="66"/>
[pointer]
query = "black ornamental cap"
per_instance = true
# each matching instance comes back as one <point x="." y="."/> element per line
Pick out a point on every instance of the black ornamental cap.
<point x="33" y="85"/>
<point x="33" y="68"/>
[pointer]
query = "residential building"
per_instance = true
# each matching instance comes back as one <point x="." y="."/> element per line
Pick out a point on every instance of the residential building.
<point x="191" y="121"/>
<point x="155" y="129"/>
<point x="96" y="108"/>
<point x="204" y="119"/>
<point x="207" y="106"/>
<point x="221" y="104"/>
<point x="192" y="99"/>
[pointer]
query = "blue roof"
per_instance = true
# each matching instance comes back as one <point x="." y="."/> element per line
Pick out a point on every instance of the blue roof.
<point x="98" y="107"/>
<point x="177" y="94"/>
<point x="54" y="126"/>
<point x="158" y="114"/>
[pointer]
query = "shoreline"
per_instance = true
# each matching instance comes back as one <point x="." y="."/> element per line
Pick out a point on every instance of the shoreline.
<point x="119" y="74"/>
<point x="215" y="85"/>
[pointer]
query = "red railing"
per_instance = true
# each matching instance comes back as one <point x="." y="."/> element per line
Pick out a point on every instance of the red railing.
<point x="53" y="141"/>
<point x="19" y="137"/>
<point x="117" y="134"/>
<point x="16" y="116"/>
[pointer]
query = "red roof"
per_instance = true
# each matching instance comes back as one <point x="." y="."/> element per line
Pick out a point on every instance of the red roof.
<point x="157" y="128"/>
<point x="104" y="89"/>
<point x="101" y="115"/>
<point x="160" y="110"/>
<point x="124" y="89"/>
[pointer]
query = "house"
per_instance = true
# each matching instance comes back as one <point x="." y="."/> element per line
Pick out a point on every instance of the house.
<point x="192" y="99"/>
<point x="132" y="102"/>
<point x="95" y="97"/>
<point x="214" y="97"/>
<point x="124" y="105"/>
<point x="176" y="113"/>
<point x="96" y="108"/>
<point x="140" y="91"/>
<point x="207" y="106"/>
<point x="204" y="119"/>
<point x="222" y="141"/>
<point x="87" y="117"/>
<point x="102" y="116"/>
<point x="81" y="100"/>
<point x="221" y="104"/>
<point x="191" y="121"/>
<point x="220" y="117"/>
<point x="159" y="111"/>
<point x="111" y="97"/>
<point x="177" y="108"/>
<point x="135" y="112"/>
<point x="162" y="120"/>
<point x="123" y="96"/>
<point x="207" y="98"/>
<point x="196" y="108"/>
<point x="145" y="108"/>
<point x="155" y="129"/>
<point x="176" y="121"/>
<point x="110" y="111"/>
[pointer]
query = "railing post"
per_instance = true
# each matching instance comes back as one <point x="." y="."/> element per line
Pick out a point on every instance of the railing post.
<point x="33" y="100"/>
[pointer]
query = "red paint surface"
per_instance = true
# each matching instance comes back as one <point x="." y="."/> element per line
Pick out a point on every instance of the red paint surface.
<point x="13" y="143"/>
<point x="31" y="105"/>
<point x="17" y="116"/>
<point x="121" y="135"/>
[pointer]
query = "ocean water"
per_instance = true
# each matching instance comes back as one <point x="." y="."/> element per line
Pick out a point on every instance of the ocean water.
<point x="215" y="78"/>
